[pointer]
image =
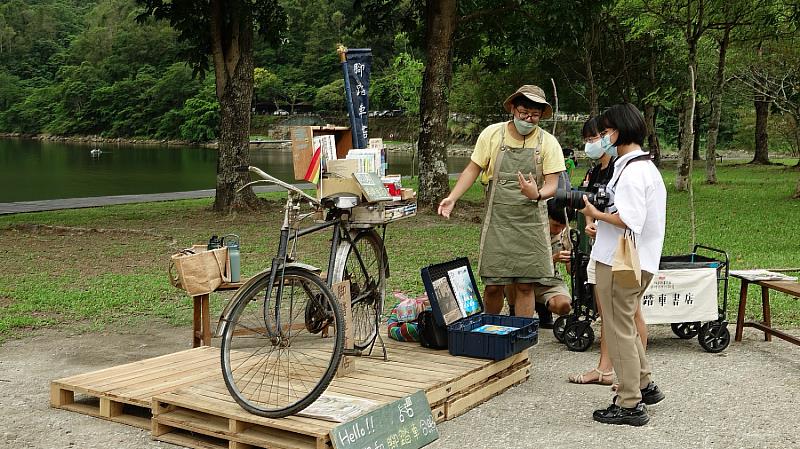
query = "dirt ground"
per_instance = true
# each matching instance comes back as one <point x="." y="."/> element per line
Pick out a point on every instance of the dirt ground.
<point x="745" y="397"/>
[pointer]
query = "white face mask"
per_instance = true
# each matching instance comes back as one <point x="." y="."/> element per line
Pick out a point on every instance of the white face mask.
<point x="523" y="127"/>
<point x="607" y="146"/>
<point x="593" y="150"/>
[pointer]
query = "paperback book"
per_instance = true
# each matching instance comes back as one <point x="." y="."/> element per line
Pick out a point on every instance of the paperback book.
<point x="373" y="187"/>
<point x="463" y="290"/>
<point x="369" y="159"/>
<point x="494" y="329"/>
<point x="447" y="301"/>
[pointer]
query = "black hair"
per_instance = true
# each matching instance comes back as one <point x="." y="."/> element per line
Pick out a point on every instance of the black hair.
<point x="628" y="121"/>
<point x="527" y="103"/>
<point x="556" y="213"/>
<point x="590" y="128"/>
<point x="567" y="152"/>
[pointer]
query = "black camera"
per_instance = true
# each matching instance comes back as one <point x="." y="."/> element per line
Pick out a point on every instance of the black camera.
<point x="573" y="198"/>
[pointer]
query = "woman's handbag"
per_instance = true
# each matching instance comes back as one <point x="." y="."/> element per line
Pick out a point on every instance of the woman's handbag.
<point x="198" y="270"/>
<point x="625" y="267"/>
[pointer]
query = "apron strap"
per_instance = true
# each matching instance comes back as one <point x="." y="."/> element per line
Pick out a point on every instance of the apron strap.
<point x="537" y="154"/>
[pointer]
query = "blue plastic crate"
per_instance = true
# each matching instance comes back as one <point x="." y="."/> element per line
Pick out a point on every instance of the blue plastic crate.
<point x="462" y="340"/>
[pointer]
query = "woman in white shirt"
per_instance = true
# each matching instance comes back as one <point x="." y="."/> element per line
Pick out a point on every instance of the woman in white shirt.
<point x="639" y="206"/>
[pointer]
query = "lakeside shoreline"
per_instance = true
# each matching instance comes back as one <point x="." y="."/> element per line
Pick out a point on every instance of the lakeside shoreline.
<point x="454" y="149"/>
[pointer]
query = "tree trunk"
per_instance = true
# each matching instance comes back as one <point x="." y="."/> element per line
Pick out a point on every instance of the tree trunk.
<point x="687" y="131"/>
<point x="652" y="136"/>
<point x="440" y="29"/>
<point x="650" y="114"/>
<point x="594" y="102"/>
<point x="716" y="110"/>
<point x="232" y="50"/>
<point x="762" y="137"/>
<point x="696" y="132"/>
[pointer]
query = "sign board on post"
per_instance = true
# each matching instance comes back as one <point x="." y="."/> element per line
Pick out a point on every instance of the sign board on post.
<point x="342" y="292"/>
<point x="403" y="424"/>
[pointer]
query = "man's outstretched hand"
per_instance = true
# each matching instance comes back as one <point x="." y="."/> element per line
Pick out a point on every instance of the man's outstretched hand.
<point x="446" y="207"/>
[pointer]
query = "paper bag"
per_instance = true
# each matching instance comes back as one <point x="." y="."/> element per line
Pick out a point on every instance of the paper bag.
<point x="199" y="271"/>
<point x="625" y="267"/>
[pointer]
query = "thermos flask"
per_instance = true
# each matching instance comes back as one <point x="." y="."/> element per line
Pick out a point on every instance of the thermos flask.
<point x="232" y="242"/>
<point x="214" y="242"/>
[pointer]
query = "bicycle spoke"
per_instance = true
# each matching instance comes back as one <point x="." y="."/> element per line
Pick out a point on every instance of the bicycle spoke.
<point x="273" y="363"/>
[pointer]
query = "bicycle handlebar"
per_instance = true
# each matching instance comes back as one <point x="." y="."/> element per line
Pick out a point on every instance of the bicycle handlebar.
<point x="269" y="178"/>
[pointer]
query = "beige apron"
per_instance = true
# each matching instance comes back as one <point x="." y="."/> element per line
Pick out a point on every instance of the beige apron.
<point x="515" y="240"/>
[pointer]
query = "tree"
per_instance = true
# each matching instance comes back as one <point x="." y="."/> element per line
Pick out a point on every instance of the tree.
<point x="224" y="30"/>
<point x="694" y="18"/>
<point x="440" y="27"/>
<point x="330" y="97"/>
<point x="775" y="80"/>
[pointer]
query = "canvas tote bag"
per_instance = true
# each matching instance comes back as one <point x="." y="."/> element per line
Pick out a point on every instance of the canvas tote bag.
<point x="198" y="270"/>
<point x="625" y="267"/>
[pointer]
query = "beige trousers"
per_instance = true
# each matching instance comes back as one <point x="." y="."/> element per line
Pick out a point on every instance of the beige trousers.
<point x="620" y="335"/>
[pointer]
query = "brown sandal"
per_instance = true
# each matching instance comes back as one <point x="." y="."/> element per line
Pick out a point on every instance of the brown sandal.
<point x="602" y="379"/>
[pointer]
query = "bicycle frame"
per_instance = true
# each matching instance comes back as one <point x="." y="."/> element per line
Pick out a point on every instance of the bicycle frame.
<point x="278" y="264"/>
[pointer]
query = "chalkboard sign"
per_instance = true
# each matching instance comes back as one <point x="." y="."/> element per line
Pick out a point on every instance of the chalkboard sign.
<point x="403" y="424"/>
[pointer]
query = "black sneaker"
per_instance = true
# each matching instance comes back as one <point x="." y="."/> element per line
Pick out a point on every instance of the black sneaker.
<point x="545" y="316"/>
<point x="615" y="414"/>
<point x="651" y="394"/>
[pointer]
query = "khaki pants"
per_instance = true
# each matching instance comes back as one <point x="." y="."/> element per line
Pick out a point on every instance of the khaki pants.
<point x="620" y="335"/>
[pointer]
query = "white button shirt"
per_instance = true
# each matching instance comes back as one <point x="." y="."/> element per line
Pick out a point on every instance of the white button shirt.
<point x="640" y="199"/>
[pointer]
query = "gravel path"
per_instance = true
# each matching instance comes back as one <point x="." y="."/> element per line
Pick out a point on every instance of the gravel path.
<point x="745" y="397"/>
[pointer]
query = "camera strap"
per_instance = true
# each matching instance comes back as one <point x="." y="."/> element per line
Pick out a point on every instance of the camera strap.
<point x="643" y="157"/>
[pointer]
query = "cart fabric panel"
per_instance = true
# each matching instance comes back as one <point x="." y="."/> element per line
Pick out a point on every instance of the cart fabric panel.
<point x="681" y="295"/>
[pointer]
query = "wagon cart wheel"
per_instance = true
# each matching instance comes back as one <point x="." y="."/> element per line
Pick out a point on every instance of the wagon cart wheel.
<point x="686" y="330"/>
<point x="579" y="335"/>
<point x="560" y="326"/>
<point x="714" y="336"/>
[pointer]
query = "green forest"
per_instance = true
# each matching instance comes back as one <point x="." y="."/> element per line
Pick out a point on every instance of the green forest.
<point x="88" y="67"/>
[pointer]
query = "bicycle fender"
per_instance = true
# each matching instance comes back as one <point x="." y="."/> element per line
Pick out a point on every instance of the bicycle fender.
<point x="223" y="317"/>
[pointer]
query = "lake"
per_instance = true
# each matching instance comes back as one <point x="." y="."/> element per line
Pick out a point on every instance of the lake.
<point x="39" y="170"/>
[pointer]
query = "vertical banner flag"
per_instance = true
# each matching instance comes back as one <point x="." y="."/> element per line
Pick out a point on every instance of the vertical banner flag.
<point x="356" y="65"/>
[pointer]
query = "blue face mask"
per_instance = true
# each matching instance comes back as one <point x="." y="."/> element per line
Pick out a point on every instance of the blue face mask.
<point x="593" y="150"/>
<point x="605" y="143"/>
<point x="523" y="127"/>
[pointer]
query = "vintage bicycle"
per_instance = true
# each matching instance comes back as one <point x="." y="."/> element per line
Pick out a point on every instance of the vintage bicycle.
<point x="282" y="337"/>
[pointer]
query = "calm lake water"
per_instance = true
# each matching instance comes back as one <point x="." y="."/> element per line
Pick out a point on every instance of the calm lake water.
<point x="35" y="170"/>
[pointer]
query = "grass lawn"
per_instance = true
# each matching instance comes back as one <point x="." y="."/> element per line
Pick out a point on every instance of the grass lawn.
<point x="100" y="268"/>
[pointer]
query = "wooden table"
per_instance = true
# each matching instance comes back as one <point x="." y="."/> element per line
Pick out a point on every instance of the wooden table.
<point x="201" y="335"/>
<point x="791" y="288"/>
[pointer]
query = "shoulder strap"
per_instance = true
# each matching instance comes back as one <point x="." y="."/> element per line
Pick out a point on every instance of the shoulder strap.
<point x="539" y="159"/>
<point x="643" y="157"/>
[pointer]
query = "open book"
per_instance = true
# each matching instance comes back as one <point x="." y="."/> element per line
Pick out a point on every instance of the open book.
<point x="762" y="275"/>
<point x="338" y="408"/>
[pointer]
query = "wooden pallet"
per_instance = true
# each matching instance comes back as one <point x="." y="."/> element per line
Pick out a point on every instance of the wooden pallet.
<point x="183" y="400"/>
<point x="124" y="393"/>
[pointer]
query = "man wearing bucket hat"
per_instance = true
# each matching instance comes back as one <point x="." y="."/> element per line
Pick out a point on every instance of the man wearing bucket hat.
<point x="519" y="163"/>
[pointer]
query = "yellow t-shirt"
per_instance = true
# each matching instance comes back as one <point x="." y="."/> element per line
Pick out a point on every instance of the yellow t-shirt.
<point x="488" y="145"/>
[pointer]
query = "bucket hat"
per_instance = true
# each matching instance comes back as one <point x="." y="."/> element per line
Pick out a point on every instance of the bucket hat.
<point x="533" y="93"/>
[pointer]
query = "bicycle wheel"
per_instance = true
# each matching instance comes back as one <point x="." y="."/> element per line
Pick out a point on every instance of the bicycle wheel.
<point x="367" y="283"/>
<point x="275" y="359"/>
